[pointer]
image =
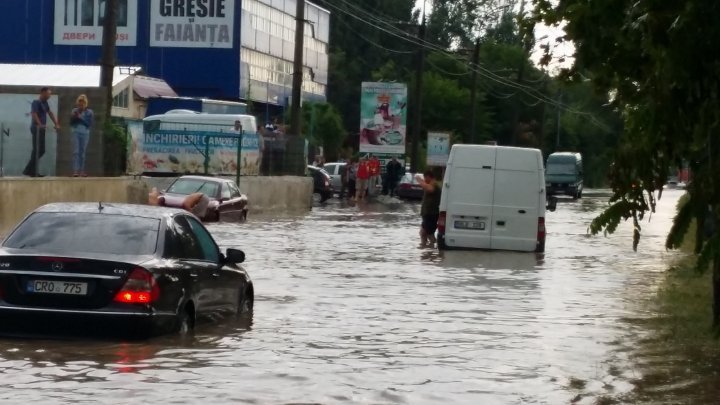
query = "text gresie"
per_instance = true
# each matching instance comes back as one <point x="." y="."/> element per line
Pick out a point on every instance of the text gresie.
<point x="192" y="8"/>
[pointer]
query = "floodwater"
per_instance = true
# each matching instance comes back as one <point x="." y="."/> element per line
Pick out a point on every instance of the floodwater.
<point x="349" y="309"/>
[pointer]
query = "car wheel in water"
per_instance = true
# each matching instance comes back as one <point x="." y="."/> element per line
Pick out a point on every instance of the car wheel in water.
<point x="246" y="303"/>
<point x="185" y="322"/>
<point x="441" y="242"/>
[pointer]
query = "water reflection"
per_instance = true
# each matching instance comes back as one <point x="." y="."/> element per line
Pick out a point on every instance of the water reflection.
<point x="349" y="309"/>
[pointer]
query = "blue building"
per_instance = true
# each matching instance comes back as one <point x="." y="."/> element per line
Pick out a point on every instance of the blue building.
<point x="197" y="46"/>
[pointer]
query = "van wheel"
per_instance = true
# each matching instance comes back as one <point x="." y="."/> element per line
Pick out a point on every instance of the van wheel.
<point x="580" y="194"/>
<point x="441" y="243"/>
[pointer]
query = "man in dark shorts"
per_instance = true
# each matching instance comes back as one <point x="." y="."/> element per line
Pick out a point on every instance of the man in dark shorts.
<point x="430" y="210"/>
<point x="39" y="112"/>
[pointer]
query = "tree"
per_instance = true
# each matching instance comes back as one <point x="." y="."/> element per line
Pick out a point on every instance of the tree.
<point x="660" y="62"/>
<point x="323" y="124"/>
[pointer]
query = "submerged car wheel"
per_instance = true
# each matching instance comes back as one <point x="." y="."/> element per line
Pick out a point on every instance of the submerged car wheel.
<point x="185" y="320"/>
<point x="246" y="303"/>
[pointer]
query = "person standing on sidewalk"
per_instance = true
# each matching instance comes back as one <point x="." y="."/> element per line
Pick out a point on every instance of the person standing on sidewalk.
<point x="39" y="112"/>
<point x="80" y="121"/>
<point x="430" y="210"/>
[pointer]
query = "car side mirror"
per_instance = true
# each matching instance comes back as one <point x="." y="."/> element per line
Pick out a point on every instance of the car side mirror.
<point x="552" y="204"/>
<point x="235" y="256"/>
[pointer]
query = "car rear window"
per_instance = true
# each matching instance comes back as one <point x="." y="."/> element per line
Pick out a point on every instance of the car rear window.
<point x="189" y="186"/>
<point x="69" y="232"/>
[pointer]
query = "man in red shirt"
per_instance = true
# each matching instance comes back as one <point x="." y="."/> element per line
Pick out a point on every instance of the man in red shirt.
<point x="374" y="166"/>
<point x="363" y="175"/>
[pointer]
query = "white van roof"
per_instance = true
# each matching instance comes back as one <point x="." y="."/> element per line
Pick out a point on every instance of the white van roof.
<point x="248" y="122"/>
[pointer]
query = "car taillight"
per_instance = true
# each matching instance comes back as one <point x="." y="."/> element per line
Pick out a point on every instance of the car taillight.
<point x="541" y="231"/>
<point x="405" y="186"/>
<point x="442" y="219"/>
<point x="140" y="288"/>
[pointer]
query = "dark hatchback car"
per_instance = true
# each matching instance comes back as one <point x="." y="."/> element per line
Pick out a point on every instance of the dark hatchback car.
<point x="133" y="270"/>
<point x="409" y="188"/>
<point x="227" y="203"/>
<point x="322" y="183"/>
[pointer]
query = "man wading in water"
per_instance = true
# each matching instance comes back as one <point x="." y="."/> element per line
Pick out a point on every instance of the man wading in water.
<point x="430" y="210"/>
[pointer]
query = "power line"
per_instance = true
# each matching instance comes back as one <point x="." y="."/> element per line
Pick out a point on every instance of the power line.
<point x="483" y="71"/>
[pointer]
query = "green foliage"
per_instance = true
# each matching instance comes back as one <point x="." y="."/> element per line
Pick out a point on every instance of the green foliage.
<point x="660" y="61"/>
<point x="115" y="143"/>
<point x="323" y="125"/>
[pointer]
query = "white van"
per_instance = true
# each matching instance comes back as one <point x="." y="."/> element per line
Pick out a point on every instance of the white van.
<point x="493" y="197"/>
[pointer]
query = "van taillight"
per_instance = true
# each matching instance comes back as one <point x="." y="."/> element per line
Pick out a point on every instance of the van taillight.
<point x="541" y="231"/>
<point x="441" y="222"/>
<point x="140" y="288"/>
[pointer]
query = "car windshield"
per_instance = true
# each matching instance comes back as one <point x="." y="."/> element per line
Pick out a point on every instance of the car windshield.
<point x="561" y="168"/>
<point x="189" y="186"/>
<point x="72" y="232"/>
<point x="409" y="178"/>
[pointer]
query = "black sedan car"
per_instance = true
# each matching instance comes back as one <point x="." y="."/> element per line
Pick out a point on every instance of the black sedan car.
<point x="409" y="188"/>
<point x="322" y="183"/>
<point x="134" y="269"/>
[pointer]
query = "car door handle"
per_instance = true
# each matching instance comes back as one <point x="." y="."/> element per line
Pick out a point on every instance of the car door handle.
<point x="522" y="211"/>
<point x="216" y="275"/>
<point x="193" y="275"/>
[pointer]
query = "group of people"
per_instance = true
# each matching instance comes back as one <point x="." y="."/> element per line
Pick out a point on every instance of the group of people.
<point x="362" y="177"/>
<point x="81" y="120"/>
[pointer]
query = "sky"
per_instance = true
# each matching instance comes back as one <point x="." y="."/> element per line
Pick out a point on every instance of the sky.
<point x="544" y="35"/>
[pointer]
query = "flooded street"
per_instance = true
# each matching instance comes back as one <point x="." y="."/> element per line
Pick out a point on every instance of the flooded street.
<point x="349" y="309"/>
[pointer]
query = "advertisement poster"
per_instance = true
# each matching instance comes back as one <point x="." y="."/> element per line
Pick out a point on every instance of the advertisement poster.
<point x="438" y="148"/>
<point x="182" y="151"/>
<point x="16" y="139"/>
<point x="80" y="22"/>
<point x="195" y="24"/>
<point x="383" y="117"/>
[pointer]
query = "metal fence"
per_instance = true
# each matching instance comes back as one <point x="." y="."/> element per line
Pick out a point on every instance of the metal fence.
<point x="198" y="148"/>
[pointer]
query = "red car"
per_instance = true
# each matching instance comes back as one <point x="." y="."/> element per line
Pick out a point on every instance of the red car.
<point x="226" y="200"/>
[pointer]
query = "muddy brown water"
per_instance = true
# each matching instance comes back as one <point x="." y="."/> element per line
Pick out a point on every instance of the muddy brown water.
<point x="350" y="310"/>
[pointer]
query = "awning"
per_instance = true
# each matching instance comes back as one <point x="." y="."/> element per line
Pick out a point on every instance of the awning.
<point x="146" y="87"/>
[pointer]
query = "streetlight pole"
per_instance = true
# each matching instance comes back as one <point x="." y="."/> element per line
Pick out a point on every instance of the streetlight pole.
<point x="417" y="117"/>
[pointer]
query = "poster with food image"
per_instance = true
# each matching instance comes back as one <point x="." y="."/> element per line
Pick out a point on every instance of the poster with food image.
<point x="383" y="117"/>
<point x="183" y="151"/>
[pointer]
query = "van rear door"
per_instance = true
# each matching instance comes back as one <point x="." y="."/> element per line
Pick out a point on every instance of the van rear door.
<point x="469" y="196"/>
<point x="519" y="187"/>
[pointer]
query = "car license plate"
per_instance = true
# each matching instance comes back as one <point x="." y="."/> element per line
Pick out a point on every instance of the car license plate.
<point x="474" y="225"/>
<point x="56" y="287"/>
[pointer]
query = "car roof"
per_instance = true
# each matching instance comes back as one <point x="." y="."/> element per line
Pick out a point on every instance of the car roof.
<point x="131" y="210"/>
<point x="205" y="178"/>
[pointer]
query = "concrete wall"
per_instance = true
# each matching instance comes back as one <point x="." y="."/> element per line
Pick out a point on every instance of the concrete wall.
<point x="19" y="196"/>
<point x="265" y="194"/>
<point x="66" y="102"/>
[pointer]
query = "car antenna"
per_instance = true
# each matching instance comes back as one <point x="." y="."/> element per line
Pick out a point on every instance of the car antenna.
<point x="100" y="206"/>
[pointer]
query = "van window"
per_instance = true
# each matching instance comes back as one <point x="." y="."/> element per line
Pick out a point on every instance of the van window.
<point x="561" y="168"/>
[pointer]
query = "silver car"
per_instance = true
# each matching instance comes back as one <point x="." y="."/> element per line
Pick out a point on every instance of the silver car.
<point x="335" y="171"/>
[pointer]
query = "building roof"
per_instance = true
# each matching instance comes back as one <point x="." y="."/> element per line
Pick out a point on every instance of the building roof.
<point x="58" y="75"/>
<point x="146" y="87"/>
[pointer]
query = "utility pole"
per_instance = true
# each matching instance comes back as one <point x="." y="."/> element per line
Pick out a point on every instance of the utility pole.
<point x="559" y="110"/>
<point x="521" y="74"/>
<point x="295" y="124"/>
<point x="417" y="117"/>
<point x="473" y="92"/>
<point x="107" y="62"/>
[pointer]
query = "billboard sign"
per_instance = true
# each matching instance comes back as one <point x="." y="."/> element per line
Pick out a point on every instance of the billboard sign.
<point x="438" y="149"/>
<point x="80" y="22"/>
<point x="192" y="24"/>
<point x="178" y="150"/>
<point x="383" y="117"/>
